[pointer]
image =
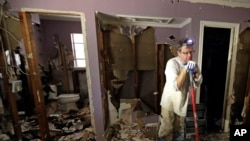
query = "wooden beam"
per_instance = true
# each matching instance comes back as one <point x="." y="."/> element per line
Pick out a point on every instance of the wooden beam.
<point x="34" y="76"/>
<point x="10" y="97"/>
<point x="156" y="92"/>
<point x="103" y="75"/>
<point x="65" y="69"/>
<point x="135" y="73"/>
<point x="246" y="100"/>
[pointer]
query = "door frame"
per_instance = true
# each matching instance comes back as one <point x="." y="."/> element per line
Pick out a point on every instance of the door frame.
<point x="83" y="26"/>
<point x="234" y="27"/>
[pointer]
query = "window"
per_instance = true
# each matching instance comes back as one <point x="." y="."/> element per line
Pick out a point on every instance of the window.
<point x="78" y="50"/>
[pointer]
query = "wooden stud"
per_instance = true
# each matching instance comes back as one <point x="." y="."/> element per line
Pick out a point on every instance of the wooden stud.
<point x="156" y="92"/>
<point x="34" y="75"/>
<point x="104" y="74"/>
<point x="135" y="73"/>
<point x="246" y="100"/>
<point x="10" y="98"/>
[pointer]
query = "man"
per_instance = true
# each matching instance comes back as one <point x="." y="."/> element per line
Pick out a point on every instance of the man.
<point x="176" y="91"/>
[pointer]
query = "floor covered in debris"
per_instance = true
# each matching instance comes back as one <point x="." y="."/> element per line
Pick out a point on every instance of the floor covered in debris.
<point x="76" y="126"/>
<point x="212" y="137"/>
<point x="73" y="125"/>
<point x="123" y="131"/>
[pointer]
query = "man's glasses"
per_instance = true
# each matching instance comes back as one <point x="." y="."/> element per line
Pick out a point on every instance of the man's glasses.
<point x="188" y="52"/>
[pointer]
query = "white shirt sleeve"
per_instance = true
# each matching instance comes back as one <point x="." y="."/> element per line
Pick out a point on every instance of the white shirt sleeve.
<point x="198" y="81"/>
<point x="171" y="73"/>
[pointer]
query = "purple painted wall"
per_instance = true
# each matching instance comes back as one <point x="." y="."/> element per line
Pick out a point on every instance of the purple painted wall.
<point x="160" y="8"/>
<point x="63" y="29"/>
<point x="162" y="34"/>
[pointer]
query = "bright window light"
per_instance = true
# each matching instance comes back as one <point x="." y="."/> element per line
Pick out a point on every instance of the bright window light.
<point x="78" y="50"/>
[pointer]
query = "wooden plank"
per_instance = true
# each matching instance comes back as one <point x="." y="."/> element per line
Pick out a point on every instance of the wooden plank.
<point x="161" y="55"/>
<point x="156" y="92"/>
<point x="65" y="69"/>
<point x="162" y="63"/>
<point x="34" y="75"/>
<point x="62" y="57"/>
<point x="103" y="75"/>
<point x="10" y="98"/>
<point x="246" y="100"/>
<point x="135" y="73"/>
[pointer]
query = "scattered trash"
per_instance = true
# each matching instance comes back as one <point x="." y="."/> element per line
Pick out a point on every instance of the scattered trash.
<point x="71" y="126"/>
<point x="125" y="131"/>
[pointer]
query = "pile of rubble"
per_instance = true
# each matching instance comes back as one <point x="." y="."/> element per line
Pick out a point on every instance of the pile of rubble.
<point x="70" y="126"/>
<point x="124" y="131"/>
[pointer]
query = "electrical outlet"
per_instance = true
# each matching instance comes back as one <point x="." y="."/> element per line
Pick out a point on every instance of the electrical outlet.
<point x="17" y="86"/>
<point x="11" y="79"/>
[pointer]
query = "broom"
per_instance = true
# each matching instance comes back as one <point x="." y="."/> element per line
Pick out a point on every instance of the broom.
<point x="192" y="91"/>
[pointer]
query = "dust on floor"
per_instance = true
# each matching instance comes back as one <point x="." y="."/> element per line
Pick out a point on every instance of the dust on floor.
<point x="219" y="136"/>
<point x="148" y="132"/>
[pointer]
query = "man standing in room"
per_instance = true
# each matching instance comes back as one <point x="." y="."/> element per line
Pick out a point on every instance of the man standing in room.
<point x="176" y="92"/>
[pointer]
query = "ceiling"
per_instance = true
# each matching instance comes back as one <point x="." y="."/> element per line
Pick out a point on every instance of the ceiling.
<point x="172" y="22"/>
<point x="117" y="19"/>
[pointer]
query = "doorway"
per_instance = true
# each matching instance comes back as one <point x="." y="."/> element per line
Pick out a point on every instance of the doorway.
<point x="216" y="56"/>
<point x="31" y="48"/>
<point x="214" y="67"/>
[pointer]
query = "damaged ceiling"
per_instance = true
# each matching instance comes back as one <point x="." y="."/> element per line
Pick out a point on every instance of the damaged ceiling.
<point x="143" y="21"/>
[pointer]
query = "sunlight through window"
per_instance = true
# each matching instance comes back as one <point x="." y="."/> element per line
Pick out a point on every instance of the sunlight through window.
<point x="78" y="50"/>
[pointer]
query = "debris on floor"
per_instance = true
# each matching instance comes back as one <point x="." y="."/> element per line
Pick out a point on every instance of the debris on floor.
<point x="131" y="132"/>
<point x="217" y="137"/>
<point x="71" y="126"/>
<point x="211" y="137"/>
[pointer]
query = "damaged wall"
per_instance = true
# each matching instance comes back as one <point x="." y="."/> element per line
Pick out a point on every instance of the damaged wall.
<point x="48" y="50"/>
<point x="241" y="80"/>
<point x="131" y="72"/>
<point x="197" y="12"/>
<point x="130" y="63"/>
<point x="11" y="32"/>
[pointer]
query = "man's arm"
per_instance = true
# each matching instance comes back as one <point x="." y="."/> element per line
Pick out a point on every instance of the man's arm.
<point x="181" y="78"/>
<point x="198" y="77"/>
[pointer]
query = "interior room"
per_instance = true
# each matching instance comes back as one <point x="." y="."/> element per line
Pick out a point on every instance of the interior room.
<point x="94" y="70"/>
<point x="63" y="79"/>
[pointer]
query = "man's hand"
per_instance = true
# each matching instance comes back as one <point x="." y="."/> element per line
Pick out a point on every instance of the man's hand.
<point x="191" y="66"/>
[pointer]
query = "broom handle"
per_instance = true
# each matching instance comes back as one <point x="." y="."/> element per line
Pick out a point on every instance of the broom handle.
<point x="194" y="106"/>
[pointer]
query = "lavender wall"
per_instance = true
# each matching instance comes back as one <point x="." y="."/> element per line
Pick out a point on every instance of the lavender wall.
<point x="160" y="8"/>
<point x="162" y="34"/>
<point x="63" y="29"/>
